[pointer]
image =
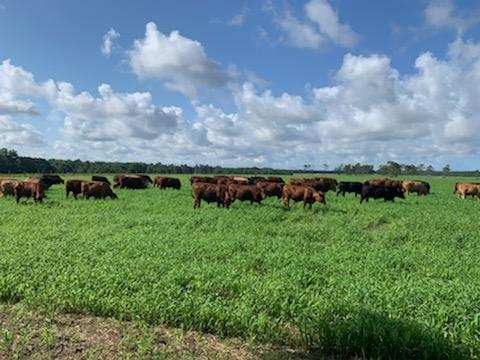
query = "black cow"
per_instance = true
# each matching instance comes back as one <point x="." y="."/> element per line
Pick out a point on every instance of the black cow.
<point x="349" y="187"/>
<point x="381" y="192"/>
<point x="101" y="178"/>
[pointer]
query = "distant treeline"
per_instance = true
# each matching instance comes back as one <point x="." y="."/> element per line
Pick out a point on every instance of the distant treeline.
<point x="11" y="162"/>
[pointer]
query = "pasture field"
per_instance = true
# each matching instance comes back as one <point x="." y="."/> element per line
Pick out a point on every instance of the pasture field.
<point x="346" y="279"/>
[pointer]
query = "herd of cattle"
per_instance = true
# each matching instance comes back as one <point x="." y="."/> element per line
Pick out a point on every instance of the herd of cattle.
<point x="224" y="190"/>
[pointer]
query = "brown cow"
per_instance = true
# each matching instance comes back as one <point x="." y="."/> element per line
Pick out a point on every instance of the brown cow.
<point x="271" y="188"/>
<point x="47" y="180"/>
<point x="466" y="189"/>
<point x="322" y="184"/>
<point x="275" y="179"/>
<point x="29" y="189"/>
<point x="97" y="190"/>
<point x="130" y="182"/>
<point x="74" y="187"/>
<point x="6" y="187"/>
<point x="303" y="193"/>
<point x="210" y="193"/>
<point x="202" y="179"/>
<point x="239" y="180"/>
<point x="164" y="182"/>
<point x="245" y="193"/>
<point x="419" y="187"/>
<point x="377" y="182"/>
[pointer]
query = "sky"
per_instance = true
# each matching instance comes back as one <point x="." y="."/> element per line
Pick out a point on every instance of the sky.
<point x="268" y="83"/>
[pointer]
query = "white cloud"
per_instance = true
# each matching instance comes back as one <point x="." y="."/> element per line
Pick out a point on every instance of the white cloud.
<point x="370" y="112"/>
<point x="442" y="13"/>
<point x="239" y="19"/>
<point x="13" y="134"/>
<point x="108" y="44"/>
<point x="320" y="12"/>
<point x="321" y="26"/>
<point x="178" y="61"/>
<point x="112" y="115"/>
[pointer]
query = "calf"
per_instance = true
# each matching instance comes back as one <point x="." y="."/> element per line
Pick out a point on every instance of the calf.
<point x="29" y="189"/>
<point x="210" y="193"/>
<point x="74" y="187"/>
<point x="381" y="192"/>
<point x="303" y="193"/>
<point x="245" y="193"/>
<point x="97" y="190"/>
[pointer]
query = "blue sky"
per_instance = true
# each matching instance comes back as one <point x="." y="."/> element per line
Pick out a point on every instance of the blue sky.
<point x="263" y="83"/>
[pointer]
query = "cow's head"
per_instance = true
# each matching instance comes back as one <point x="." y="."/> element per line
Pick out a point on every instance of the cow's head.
<point x="319" y="197"/>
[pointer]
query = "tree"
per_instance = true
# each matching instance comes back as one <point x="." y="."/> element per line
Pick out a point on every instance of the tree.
<point x="430" y="170"/>
<point x="446" y="169"/>
<point x="391" y="168"/>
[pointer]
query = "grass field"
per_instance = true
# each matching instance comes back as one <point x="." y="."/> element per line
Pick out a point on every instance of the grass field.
<point x="375" y="280"/>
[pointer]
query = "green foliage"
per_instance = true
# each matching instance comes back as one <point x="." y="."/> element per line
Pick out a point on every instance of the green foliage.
<point x="377" y="280"/>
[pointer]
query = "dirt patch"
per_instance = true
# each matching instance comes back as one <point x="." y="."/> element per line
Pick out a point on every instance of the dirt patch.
<point x="28" y="334"/>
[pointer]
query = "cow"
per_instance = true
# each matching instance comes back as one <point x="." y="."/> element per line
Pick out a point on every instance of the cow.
<point x="47" y="180"/>
<point x="167" y="182"/>
<point x="393" y="184"/>
<point x="322" y="184"/>
<point x="307" y="194"/>
<point x="255" y="179"/>
<point x="74" y="187"/>
<point x="245" y="193"/>
<point x="427" y="185"/>
<point x="381" y="192"/>
<point x="376" y="182"/>
<point x="420" y="187"/>
<point x="210" y="193"/>
<point x="29" y="189"/>
<point x="146" y="178"/>
<point x="270" y="189"/>
<point x="275" y="179"/>
<point x="130" y="182"/>
<point x="101" y="178"/>
<point x="349" y="187"/>
<point x="221" y="179"/>
<point x="6" y="187"/>
<point x="239" y="180"/>
<point x="467" y="189"/>
<point x="202" y="179"/>
<point x="97" y="190"/>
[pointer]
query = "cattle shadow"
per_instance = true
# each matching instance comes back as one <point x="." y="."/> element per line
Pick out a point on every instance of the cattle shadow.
<point x="369" y="335"/>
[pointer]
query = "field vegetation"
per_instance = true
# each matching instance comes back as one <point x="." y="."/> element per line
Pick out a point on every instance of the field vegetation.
<point x="346" y="279"/>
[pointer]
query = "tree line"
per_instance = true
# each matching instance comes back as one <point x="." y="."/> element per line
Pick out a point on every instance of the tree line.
<point x="11" y="162"/>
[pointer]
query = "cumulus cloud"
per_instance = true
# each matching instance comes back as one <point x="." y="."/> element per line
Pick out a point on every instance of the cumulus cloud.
<point x="14" y="134"/>
<point x="111" y="116"/>
<point x="177" y="60"/>
<point x="442" y="13"/>
<point x="321" y="26"/>
<point x="369" y="112"/>
<point x="108" y="43"/>
<point x="320" y="12"/>
<point x="16" y="86"/>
